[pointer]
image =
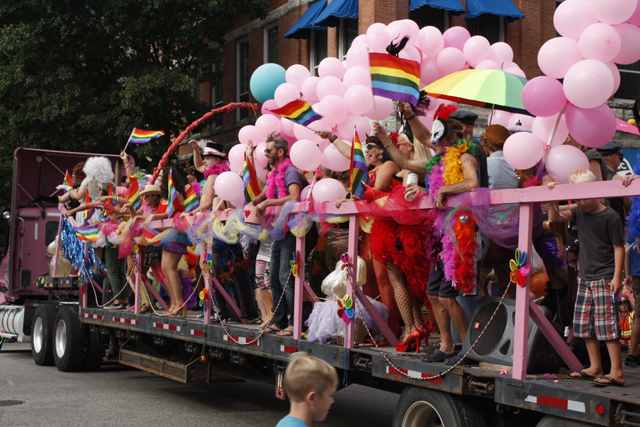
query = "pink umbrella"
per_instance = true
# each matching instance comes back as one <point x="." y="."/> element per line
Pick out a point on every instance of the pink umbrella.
<point x="623" y="126"/>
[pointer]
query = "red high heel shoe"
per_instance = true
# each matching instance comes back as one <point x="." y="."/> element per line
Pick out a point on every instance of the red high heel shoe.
<point x="410" y="343"/>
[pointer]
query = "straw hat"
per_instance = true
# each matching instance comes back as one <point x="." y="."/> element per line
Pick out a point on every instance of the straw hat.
<point x="151" y="189"/>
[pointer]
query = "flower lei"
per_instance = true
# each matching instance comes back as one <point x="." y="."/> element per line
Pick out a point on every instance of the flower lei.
<point x="216" y="169"/>
<point x="272" y="182"/>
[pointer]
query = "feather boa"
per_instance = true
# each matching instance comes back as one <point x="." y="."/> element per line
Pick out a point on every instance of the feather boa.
<point x="274" y="182"/>
<point x="216" y="169"/>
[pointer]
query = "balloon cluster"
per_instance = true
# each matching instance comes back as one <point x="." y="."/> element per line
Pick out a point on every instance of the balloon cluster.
<point x="595" y="36"/>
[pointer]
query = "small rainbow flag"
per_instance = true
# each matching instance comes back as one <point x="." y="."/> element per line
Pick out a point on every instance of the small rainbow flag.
<point x="174" y="201"/>
<point x="357" y="169"/>
<point x="250" y="179"/>
<point x="191" y="202"/>
<point x="133" y="192"/>
<point x="395" y="78"/>
<point x="298" y="111"/>
<point x="87" y="233"/>
<point x="67" y="180"/>
<point x="139" y="136"/>
<point x="88" y="213"/>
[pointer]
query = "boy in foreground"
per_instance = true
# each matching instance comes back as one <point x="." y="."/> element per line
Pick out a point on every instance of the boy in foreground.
<point x="601" y="259"/>
<point x="310" y="384"/>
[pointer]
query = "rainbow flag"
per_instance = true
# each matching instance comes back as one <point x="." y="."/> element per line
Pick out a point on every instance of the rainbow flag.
<point x="174" y="201"/>
<point x="88" y="213"/>
<point x="67" y="180"/>
<point x="358" y="169"/>
<point x="191" y="202"/>
<point x="133" y="192"/>
<point x="87" y="233"/>
<point x="298" y="111"/>
<point x="395" y="78"/>
<point x="139" y="136"/>
<point x="250" y="179"/>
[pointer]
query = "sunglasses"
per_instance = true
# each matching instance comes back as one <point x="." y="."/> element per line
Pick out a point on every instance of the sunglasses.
<point x="267" y="150"/>
<point x="371" y="146"/>
<point x="403" y="143"/>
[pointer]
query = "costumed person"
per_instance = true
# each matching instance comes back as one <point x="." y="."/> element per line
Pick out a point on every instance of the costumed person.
<point x="77" y="176"/>
<point x="193" y="181"/>
<point x="212" y="163"/>
<point x="380" y="173"/>
<point x="627" y="316"/>
<point x="284" y="184"/>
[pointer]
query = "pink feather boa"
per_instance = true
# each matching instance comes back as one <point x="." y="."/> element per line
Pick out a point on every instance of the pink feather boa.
<point x="274" y="182"/>
<point x="216" y="169"/>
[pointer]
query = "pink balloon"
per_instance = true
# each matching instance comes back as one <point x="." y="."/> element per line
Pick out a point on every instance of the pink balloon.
<point x="629" y="48"/>
<point x="333" y="159"/>
<point x="262" y="173"/>
<point x="377" y="37"/>
<point x="613" y="11"/>
<point x="330" y="86"/>
<point x="450" y="60"/>
<point x="309" y="89"/>
<point x="456" y="37"/>
<point x="383" y="108"/>
<point x="305" y="155"/>
<point x="297" y="74"/>
<point x="476" y="50"/>
<point x="521" y="120"/>
<point x="286" y="93"/>
<point x="523" y="150"/>
<point x="502" y="54"/>
<point x="572" y="17"/>
<point x="615" y="72"/>
<point x="411" y="53"/>
<point x="431" y="41"/>
<point x="267" y="106"/>
<point x="487" y="64"/>
<point x="239" y="201"/>
<point x="304" y="194"/>
<point x="397" y="30"/>
<point x="415" y="30"/>
<point x="266" y="125"/>
<point x="543" y="96"/>
<point x="236" y="157"/>
<point x="600" y="41"/>
<point x="358" y="56"/>
<point x="286" y="126"/>
<point x="427" y="121"/>
<point x="229" y="186"/>
<point x="429" y="71"/>
<point x="302" y="132"/>
<point x="359" y="99"/>
<point x="328" y="190"/>
<point x="331" y="66"/>
<point x="557" y="55"/>
<point x="334" y="109"/>
<point x="543" y="126"/>
<point x="361" y="39"/>
<point x="635" y="18"/>
<point x="515" y="70"/>
<point x="563" y="161"/>
<point x="499" y="117"/>
<point x="346" y="127"/>
<point x="357" y="76"/>
<point x="591" y="127"/>
<point x="259" y="156"/>
<point x="588" y="84"/>
<point x="248" y="133"/>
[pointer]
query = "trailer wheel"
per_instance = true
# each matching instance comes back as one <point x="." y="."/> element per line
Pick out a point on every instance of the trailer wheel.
<point x="42" y="335"/>
<point x="68" y="340"/>
<point x="550" y="420"/>
<point x="419" y="407"/>
<point x="93" y="352"/>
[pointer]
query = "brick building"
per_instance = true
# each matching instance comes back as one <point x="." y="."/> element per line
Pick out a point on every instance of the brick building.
<point x="306" y="31"/>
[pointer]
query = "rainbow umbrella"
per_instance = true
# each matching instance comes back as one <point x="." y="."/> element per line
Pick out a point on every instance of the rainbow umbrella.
<point x="482" y="88"/>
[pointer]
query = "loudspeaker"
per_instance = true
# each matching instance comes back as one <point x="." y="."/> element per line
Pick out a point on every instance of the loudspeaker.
<point x="496" y="344"/>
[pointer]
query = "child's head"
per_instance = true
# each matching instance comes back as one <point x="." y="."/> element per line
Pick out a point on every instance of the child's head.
<point x="581" y="176"/>
<point x="311" y="381"/>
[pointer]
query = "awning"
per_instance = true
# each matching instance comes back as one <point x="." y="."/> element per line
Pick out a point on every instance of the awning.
<point x="330" y="16"/>
<point x="505" y="8"/>
<point x="453" y="6"/>
<point x="303" y="26"/>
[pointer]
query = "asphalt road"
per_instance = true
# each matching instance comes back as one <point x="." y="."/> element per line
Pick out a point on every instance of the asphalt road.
<point x="117" y="395"/>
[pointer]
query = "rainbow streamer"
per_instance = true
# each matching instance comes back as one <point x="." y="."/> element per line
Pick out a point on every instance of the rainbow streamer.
<point x="395" y="78"/>
<point x="139" y="136"/>
<point x="250" y="179"/>
<point x="174" y="201"/>
<point x="133" y="193"/>
<point x="87" y="233"/>
<point x="298" y="111"/>
<point x="358" y="169"/>
<point x="191" y="202"/>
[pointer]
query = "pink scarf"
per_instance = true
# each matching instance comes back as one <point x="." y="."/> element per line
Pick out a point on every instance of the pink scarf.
<point x="216" y="169"/>
<point x="272" y="182"/>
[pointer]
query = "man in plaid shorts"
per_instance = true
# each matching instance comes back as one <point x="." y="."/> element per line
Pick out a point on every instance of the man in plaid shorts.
<point x="601" y="259"/>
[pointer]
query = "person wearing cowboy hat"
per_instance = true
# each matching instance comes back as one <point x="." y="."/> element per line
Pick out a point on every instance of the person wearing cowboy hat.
<point x="212" y="163"/>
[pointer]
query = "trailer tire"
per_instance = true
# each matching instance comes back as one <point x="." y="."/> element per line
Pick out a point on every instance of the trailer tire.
<point x="550" y="420"/>
<point x="93" y="352"/>
<point x="42" y="335"/>
<point x="68" y="340"/>
<point x="420" y="407"/>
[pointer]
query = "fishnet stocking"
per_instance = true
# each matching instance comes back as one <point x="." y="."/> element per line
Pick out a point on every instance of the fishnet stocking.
<point x="409" y="306"/>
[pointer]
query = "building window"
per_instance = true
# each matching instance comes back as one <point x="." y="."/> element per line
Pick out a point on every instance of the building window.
<point x="629" y="81"/>
<point x="217" y="100"/>
<point x="348" y="29"/>
<point x="426" y="16"/>
<point x="243" y="76"/>
<point x="489" y="26"/>
<point x="318" y="49"/>
<point x="271" y="44"/>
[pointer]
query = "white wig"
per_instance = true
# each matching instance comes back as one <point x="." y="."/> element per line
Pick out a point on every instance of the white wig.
<point x="99" y="171"/>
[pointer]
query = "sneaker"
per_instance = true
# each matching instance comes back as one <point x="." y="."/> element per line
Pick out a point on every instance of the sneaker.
<point x="632" y="361"/>
<point x="114" y="306"/>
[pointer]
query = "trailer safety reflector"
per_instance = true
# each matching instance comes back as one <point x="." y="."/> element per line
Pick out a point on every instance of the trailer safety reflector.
<point x="92" y="316"/>
<point x="415" y="374"/>
<point x="240" y="340"/>
<point x="570" y="405"/>
<point x="197" y="333"/>
<point x="126" y="321"/>
<point x="288" y="349"/>
<point x="166" y="326"/>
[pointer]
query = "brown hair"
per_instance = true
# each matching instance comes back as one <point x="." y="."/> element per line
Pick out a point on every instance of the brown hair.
<point x="78" y="171"/>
